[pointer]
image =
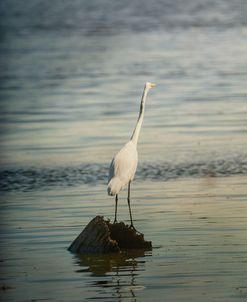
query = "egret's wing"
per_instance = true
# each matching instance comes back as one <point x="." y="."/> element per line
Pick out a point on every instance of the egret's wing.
<point x="111" y="170"/>
<point x="124" y="164"/>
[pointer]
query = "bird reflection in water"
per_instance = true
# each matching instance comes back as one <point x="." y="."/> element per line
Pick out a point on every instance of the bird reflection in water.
<point x="115" y="275"/>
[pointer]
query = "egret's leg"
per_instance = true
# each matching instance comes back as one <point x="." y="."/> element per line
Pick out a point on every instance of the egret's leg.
<point x="116" y="200"/>
<point x="129" y="206"/>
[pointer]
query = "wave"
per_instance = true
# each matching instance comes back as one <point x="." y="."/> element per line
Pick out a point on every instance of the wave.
<point x="31" y="179"/>
<point x="108" y="17"/>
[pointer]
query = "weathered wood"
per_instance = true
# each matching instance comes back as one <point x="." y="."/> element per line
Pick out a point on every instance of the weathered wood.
<point x="101" y="236"/>
<point x="127" y="237"/>
<point x="95" y="238"/>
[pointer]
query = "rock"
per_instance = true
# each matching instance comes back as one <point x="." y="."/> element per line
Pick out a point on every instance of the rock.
<point x="101" y="236"/>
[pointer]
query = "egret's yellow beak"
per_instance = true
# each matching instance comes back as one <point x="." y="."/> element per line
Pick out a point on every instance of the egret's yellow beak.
<point x="152" y="85"/>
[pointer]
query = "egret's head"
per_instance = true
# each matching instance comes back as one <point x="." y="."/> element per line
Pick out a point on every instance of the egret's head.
<point x="150" y="85"/>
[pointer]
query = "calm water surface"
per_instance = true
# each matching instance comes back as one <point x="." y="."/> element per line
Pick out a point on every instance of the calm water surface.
<point x="71" y="79"/>
<point x="198" y="230"/>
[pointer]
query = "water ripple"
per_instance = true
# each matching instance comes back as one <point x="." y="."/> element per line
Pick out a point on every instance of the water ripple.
<point x="107" y="17"/>
<point x="29" y="179"/>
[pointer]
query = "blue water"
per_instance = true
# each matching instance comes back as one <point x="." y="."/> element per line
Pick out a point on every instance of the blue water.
<point x="71" y="78"/>
<point x="72" y="75"/>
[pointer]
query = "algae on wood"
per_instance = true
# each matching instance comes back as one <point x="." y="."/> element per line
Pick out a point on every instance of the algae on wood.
<point x="101" y="236"/>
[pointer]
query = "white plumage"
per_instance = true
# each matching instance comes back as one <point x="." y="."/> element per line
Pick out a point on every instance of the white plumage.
<point x="123" y="166"/>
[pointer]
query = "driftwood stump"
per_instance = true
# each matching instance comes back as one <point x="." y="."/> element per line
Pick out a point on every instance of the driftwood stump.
<point x="101" y="236"/>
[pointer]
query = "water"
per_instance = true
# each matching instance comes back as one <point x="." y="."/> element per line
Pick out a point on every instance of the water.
<point x="71" y="78"/>
<point x="198" y="230"/>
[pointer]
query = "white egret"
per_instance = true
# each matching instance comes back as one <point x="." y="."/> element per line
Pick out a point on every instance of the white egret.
<point x="123" y="166"/>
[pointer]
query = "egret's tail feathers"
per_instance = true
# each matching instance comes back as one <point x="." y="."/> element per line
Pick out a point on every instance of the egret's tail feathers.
<point x="114" y="186"/>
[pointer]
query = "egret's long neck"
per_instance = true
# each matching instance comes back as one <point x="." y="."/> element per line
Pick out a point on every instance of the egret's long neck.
<point x="136" y="132"/>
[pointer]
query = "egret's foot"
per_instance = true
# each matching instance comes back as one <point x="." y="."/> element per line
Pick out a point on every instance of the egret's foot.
<point x="133" y="228"/>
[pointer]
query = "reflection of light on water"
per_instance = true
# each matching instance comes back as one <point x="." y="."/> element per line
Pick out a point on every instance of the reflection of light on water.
<point x="209" y="179"/>
<point x="114" y="274"/>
